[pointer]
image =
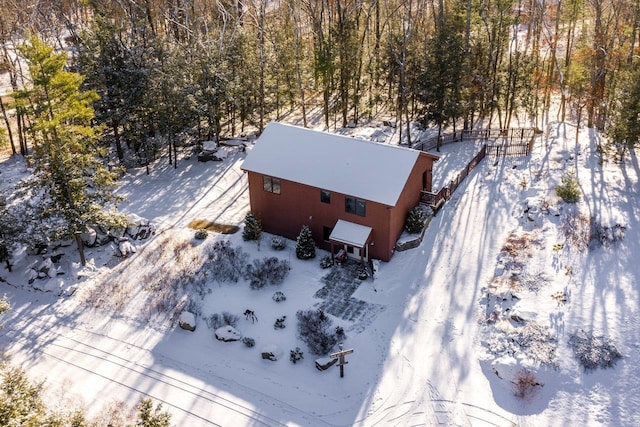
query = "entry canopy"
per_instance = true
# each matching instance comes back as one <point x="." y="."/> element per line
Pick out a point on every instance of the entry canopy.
<point x="350" y="234"/>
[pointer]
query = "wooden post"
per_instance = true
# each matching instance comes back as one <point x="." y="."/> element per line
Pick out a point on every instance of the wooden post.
<point x="340" y="356"/>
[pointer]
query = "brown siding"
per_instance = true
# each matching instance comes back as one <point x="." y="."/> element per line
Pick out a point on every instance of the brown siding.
<point x="284" y="214"/>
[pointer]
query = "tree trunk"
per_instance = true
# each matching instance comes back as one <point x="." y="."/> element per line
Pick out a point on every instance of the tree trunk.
<point x="9" y="132"/>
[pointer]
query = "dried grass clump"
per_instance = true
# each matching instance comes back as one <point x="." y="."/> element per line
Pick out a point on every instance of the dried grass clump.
<point x="203" y="224"/>
<point x="577" y="229"/>
<point x="521" y="244"/>
<point x="525" y="384"/>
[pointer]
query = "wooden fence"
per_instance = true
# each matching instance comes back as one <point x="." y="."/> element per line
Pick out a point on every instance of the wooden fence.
<point x="436" y="200"/>
<point x="521" y="135"/>
<point x="504" y="143"/>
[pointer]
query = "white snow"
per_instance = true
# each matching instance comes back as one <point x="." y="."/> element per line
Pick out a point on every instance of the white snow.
<point x="420" y="351"/>
<point x="350" y="233"/>
<point x="351" y="166"/>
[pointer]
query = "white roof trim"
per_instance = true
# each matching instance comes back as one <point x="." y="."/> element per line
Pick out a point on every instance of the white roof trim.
<point x="353" y="167"/>
<point x="350" y="233"/>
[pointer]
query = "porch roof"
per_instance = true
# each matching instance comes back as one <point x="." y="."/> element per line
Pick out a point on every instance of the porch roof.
<point x="350" y="233"/>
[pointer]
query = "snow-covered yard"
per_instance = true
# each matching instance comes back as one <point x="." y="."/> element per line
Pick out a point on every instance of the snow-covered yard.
<point x="432" y="333"/>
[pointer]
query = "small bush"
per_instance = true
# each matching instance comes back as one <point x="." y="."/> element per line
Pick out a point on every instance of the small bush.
<point x="594" y="351"/>
<point x="249" y="342"/>
<point x="279" y="296"/>
<point x="201" y="234"/>
<point x="295" y="355"/>
<point x="217" y="320"/>
<point x="279" y="323"/>
<point x="577" y="228"/>
<point x="266" y="271"/>
<point x="326" y="261"/>
<point x="415" y="221"/>
<point x="150" y="416"/>
<point x="226" y="262"/>
<point x="569" y="191"/>
<point x="606" y="236"/>
<point x="314" y="328"/>
<point x="252" y="228"/>
<point x="278" y="243"/>
<point x="525" y="384"/>
<point x="305" y="246"/>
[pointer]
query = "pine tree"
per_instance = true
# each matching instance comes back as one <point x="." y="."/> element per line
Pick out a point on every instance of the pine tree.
<point x="70" y="177"/>
<point x="252" y="228"/>
<point x="305" y="246"/>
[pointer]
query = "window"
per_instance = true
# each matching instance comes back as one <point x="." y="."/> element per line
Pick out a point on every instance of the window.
<point x="355" y="206"/>
<point x="272" y="185"/>
<point x="325" y="196"/>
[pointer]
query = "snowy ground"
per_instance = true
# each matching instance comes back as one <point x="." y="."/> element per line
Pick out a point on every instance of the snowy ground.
<point x="424" y="354"/>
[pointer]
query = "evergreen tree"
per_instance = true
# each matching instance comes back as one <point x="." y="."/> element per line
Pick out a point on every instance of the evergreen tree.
<point x="305" y="246"/>
<point x="70" y="179"/>
<point x="626" y="126"/>
<point x="252" y="228"/>
<point x="440" y="84"/>
<point x="150" y="417"/>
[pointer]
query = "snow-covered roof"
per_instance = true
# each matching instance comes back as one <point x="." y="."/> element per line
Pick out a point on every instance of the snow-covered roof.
<point x="363" y="169"/>
<point x="350" y="233"/>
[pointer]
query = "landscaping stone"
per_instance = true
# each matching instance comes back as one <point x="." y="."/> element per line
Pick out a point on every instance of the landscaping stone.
<point x="187" y="321"/>
<point x="227" y="334"/>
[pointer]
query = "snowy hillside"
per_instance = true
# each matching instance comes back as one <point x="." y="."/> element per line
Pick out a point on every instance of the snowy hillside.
<point x="505" y="276"/>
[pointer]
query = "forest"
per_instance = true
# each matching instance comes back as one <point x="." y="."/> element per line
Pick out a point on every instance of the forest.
<point x="94" y="80"/>
<point x="173" y="71"/>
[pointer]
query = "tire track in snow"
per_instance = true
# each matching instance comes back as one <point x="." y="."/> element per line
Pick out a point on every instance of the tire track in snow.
<point x="138" y="370"/>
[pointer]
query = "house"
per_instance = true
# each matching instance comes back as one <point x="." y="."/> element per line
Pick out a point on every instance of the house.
<point x="353" y="194"/>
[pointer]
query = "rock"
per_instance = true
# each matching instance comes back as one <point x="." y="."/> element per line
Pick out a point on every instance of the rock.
<point x="187" y="321"/>
<point x="139" y="228"/>
<point x="125" y="248"/>
<point x="32" y="275"/>
<point x="324" y="363"/>
<point x="46" y="268"/>
<point x="89" y="237"/>
<point x="272" y="353"/>
<point x="227" y="334"/>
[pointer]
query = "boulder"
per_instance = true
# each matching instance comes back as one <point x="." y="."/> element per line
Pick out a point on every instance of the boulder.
<point x="272" y="353"/>
<point x="139" y="228"/>
<point x="125" y="248"/>
<point x="187" y="321"/>
<point x="227" y="334"/>
<point x="46" y="268"/>
<point x="89" y="237"/>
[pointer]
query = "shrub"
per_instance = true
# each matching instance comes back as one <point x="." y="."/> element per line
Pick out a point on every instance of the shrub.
<point x="326" y="261"/>
<point x="226" y="262"/>
<point x="278" y="243"/>
<point x="314" y="328"/>
<point x="201" y="234"/>
<point x="295" y="355"/>
<point x="279" y="323"/>
<point x="266" y="271"/>
<point x="594" y="351"/>
<point x="606" y="236"/>
<point x="305" y="246"/>
<point x="415" y="221"/>
<point x="217" y="320"/>
<point x="569" y="191"/>
<point x="249" y="342"/>
<point x="525" y="384"/>
<point x="278" y="296"/>
<point x="252" y="228"/>
<point x="148" y="416"/>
